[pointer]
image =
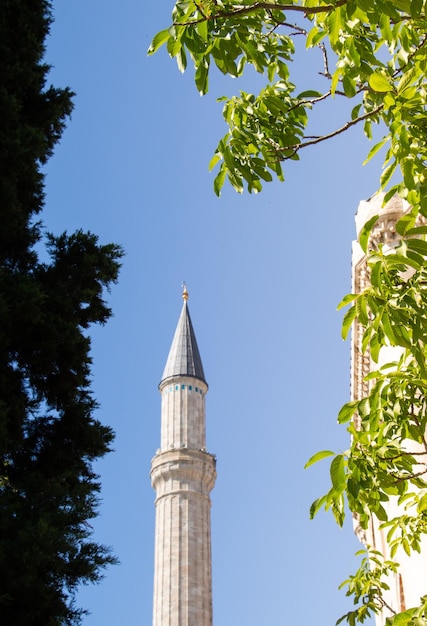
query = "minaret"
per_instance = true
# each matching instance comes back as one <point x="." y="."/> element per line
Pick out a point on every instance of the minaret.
<point x="183" y="475"/>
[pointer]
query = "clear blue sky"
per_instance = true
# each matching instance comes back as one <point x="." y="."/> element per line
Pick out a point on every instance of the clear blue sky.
<point x="264" y="275"/>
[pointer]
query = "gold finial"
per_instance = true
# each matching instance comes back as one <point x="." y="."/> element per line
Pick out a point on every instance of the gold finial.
<point x="184" y="291"/>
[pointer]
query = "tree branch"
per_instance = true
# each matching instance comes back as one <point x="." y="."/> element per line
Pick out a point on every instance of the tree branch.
<point x="295" y="148"/>
<point x="326" y="71"/>
<point x="384" y="604"/>
<point x="401" y="455"/>
<point x="417" y="421"/>
<point x="199" y="8"/>
<point x="268" y="6"/>
<point x="400" y="70"/>
<point x="299" y="30"/>
<point x="400" y="479"/>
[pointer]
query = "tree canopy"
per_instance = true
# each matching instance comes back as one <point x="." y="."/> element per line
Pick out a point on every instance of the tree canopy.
<point x="49" y="436"/>
<point x="372" y="56"/>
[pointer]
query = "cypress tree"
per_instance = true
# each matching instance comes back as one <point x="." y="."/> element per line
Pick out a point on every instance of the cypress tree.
<point x="49" y="436"/>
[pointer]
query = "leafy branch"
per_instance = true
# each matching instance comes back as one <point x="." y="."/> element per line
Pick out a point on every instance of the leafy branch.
<point x="318" y="139"/>
<point x="367" y="585"/>
<point x="241" y="10"/>
<point x="374" y="56"/>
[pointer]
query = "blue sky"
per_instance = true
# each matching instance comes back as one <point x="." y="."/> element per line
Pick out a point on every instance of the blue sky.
<point x="264" y="275"/>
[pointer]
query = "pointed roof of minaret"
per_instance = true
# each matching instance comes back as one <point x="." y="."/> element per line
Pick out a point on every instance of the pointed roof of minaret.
<point x="184" y="357"/>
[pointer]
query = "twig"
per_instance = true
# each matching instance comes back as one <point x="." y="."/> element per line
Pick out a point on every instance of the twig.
<point x="295" y="148"/>
<point x="199" y="8"/>
<point x="326" y="71"/>
<point x="268" y="6"/>
<point x="400" y="479"/>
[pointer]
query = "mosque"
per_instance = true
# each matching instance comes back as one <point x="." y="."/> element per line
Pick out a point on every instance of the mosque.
<point x="183" y="471"/>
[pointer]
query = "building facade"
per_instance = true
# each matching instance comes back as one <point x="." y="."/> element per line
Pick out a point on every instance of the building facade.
<point x="183" y="474"/>
<point x="410" y="583"/>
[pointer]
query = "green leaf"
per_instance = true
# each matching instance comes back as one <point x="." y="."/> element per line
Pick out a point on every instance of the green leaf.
<point x="380" y="82"/>
<point x="384" y="23"/>
<point x="381" y="514"/>
<point x="254" y="186"/>
<point x="323" y="454"/>
<point x="367" y="338"/>
<point x="334" y="25"/>
<point x="407" y="168"/>
<point x="235" y="179"/>
<point x="347" y="412"/>
<point x="366" y="231"/>
<point x="375" y="347"/>
<point x="310" y="93"/>
<point x="317" y="505"/>
<point x="375" y="149"/>
<point x="181" y="60"/>
<point x="202" y="29"/>
<point x="418" y="245"/>
<point x="263" y="173"/>
<point x="362" y="309"/>
<point x="335" y="80"/>
<point x="416" y="7"/>
<point x="201" y="78"/>
<point x="158" y="41"/>
<point x="350" y="297"/>
<point x="417" y="230"/>
<point x="366" y="5"/>
<point x="389" y="101"/>
<point x="355" y="111"/>
<point x="363" y="407"/>
<point x="402" y="619"/>
<point x="348" y="319"/>
<point x="403" y="5"/>
<point x="174" y="45"/>
<point x="349" y="87"/>
<point x="220" y="179"/>
<point x="337" y="471"/>
<point x="406" y="80"/>
<point x="311" y="36"/>
<point x="214" y="160"/>
<point x="388" y="329"/>
<point x="387" y="174"/>
<point x="405" y="223"/>
<point x="376" y="274"/>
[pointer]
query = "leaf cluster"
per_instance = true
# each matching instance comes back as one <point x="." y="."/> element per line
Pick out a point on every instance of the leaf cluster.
<point x="387" y="460"/>
<point x="367" y="586"/>
<point x="372" y="55"/>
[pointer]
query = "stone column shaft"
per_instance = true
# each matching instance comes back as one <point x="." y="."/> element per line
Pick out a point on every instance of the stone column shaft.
<point x="183" y="578"/>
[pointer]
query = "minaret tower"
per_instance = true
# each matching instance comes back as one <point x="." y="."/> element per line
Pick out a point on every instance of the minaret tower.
<point x="183" y="475"/>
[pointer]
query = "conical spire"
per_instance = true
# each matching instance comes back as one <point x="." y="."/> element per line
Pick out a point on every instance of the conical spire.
<point x="184" y="357"/>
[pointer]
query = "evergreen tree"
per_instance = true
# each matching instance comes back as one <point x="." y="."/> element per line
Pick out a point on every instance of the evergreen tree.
<point x="49" y="436"/>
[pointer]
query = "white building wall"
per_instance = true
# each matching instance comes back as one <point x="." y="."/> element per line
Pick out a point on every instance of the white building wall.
<point x="410" y="582"/>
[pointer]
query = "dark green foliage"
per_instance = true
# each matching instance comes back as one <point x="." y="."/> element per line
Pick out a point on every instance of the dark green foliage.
<point x="33" y="118"/>
<point x="49" y="437"/>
